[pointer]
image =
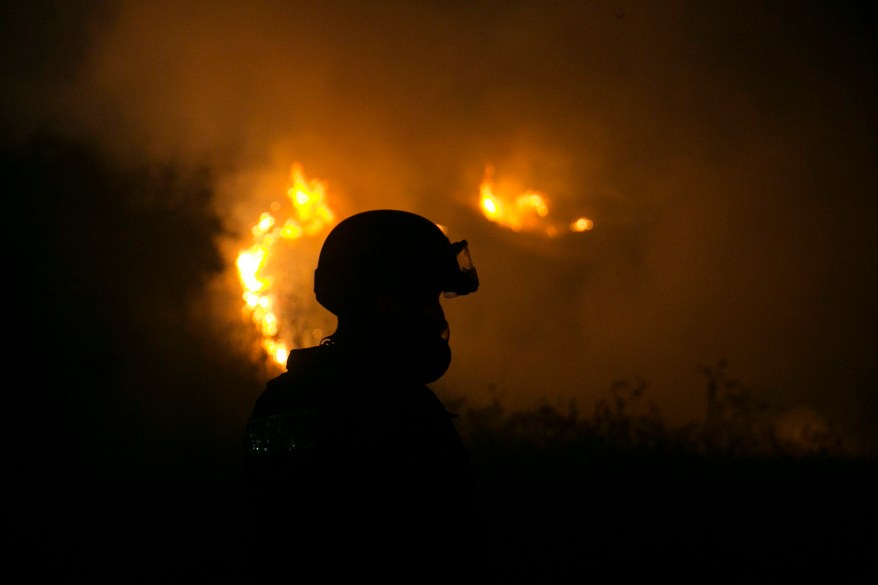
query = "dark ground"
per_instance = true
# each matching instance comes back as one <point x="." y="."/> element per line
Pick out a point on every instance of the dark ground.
<point x="624" y="520"/>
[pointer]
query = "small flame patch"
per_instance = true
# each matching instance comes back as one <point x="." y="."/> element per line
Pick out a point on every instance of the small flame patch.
<point x="523" y="212"/>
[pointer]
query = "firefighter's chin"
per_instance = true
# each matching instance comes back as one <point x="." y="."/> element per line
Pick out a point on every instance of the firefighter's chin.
<point x="425" y="361"/>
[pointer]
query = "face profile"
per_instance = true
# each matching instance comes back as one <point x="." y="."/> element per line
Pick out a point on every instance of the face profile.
<point x="420" y="335"/>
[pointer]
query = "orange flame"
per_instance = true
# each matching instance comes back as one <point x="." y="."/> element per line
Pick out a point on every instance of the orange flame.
<point x="528" y="211"/>
<point x="309" y="216"/>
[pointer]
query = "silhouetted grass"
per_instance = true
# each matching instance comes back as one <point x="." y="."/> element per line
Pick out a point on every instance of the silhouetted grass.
<point x="620" y="493"/>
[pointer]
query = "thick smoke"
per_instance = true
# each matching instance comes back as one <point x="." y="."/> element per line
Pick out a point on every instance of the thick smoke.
<point x="725" y="154"/>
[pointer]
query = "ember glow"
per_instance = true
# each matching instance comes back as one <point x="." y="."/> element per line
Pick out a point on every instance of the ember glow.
<point x="307" y="216"/>
<point x="523" y="212"/>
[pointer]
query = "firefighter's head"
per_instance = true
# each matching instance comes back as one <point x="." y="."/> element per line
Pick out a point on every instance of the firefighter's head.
<point x="381" y="272"/>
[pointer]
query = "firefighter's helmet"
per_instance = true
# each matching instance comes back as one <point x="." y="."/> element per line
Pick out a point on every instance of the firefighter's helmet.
<point x="388" y="251"/>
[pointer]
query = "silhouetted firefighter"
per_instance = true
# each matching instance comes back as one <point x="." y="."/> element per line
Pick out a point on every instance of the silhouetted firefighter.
<point x="354" y="465"/>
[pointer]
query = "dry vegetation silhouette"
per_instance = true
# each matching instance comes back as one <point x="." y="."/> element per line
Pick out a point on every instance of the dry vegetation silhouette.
<point x="620" y="493"/>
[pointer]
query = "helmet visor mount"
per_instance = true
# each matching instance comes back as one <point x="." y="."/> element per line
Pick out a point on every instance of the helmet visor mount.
<point x="464" y="280"/>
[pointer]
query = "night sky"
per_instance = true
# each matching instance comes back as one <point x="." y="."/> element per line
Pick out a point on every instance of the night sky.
<point x="725" y="151"/>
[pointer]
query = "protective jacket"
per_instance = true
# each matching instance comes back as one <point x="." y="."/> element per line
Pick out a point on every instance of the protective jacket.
<point x="346" y="459"/>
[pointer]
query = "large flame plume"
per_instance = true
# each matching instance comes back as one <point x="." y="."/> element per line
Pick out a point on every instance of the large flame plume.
<point x="523" y="212"/>
<point x="306" y="217"/>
